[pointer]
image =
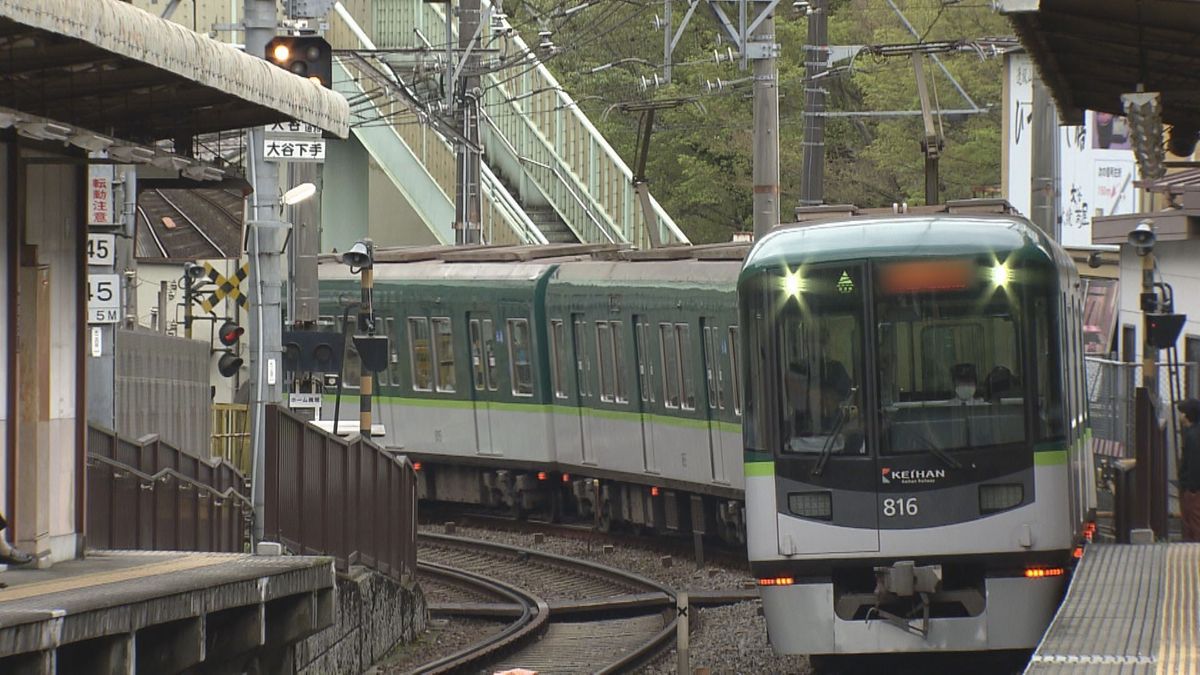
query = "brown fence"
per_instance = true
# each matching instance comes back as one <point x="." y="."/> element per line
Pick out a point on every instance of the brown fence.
<point x="152" y="496"/>
<point x="346" y="499"/>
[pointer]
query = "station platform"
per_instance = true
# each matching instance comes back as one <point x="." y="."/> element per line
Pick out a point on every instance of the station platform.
<point x="161" y="612"/>
<point x="1130" y="609"/>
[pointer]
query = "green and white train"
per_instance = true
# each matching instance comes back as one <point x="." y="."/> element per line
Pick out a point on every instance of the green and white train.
<point x="918" y="473"/>
<point x="578" y="381"/>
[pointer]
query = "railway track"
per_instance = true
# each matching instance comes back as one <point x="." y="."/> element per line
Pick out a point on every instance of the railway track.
<point x="565" y="615"/>
<point x="172" y="221"/>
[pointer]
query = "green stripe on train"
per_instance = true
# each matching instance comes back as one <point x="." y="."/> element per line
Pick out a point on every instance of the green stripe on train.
<point x="541" y="408"/>
<point x="759" y="469"/>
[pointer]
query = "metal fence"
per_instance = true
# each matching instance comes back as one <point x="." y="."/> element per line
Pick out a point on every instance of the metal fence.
<point x="162" y="387"/>
<point x="346" y="499"/>
<point x="231" y="434"/>
<point x="152" y="496"/>
<point x="1111" y="386"/>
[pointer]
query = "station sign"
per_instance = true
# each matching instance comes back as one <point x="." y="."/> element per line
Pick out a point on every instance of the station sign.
<point x="99" y="197"/>
<point x="104" y="298"/>
<point x="293" y="150"/>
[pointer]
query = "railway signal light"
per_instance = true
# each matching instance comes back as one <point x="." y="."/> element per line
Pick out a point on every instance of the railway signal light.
<point x="230" y="363"/>
<point x="308" y="56"/>
<point x="310" y="351"/>
<point x="1162" y="330"/>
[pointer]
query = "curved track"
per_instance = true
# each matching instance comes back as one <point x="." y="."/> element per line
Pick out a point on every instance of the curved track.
<point x="594" y="618"/>
<point x="177" y="222"/>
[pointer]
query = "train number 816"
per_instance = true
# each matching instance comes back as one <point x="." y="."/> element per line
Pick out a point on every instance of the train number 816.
<point x="900" y="507"/>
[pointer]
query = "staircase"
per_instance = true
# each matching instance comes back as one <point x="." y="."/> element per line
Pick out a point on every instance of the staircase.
<point x="548" y="176"/>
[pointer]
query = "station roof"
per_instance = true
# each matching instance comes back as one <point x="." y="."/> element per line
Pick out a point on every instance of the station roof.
<point x="1089" y="52"/>
<point x="110" y="68"/>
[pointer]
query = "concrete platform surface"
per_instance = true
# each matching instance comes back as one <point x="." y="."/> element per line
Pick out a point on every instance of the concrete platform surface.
<point x="111" y="596"/>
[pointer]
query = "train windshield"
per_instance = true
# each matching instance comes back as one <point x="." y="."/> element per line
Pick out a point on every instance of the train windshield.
<point x="821" y="337"/>
<point x="949" y="358"/>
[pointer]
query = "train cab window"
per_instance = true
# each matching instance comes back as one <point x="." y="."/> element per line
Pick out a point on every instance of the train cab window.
<point x="557" y="354"/>
<point x="1047" y="355"/>
<point x="735" y="370"/>
<point x="519" y="359"/>
<point x="419" y="353"/>
<point x="476" y="354"/>
<point x="949" y="364"/>
<point x="443" y="354"/>
<point x="670" y="364"/>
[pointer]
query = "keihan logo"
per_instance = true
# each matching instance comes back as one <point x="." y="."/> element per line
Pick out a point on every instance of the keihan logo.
<point x="886" y="472"/>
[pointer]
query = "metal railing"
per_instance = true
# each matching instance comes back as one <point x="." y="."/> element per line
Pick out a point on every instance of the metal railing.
<point x="348" y="499"/>
<point x="231" y="434"/>
<point x="149" y="495"/>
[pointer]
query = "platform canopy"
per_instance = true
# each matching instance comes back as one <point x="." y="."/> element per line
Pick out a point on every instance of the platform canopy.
<point x="110" y="68"/>
<point x="1089" y="52"/>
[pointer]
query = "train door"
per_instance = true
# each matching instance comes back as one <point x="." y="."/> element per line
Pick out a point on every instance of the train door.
<point x="645" y="393"/>
<point x="484" y="384"/>
<point x="583" y="379"/>
<point x="714" y="376"/>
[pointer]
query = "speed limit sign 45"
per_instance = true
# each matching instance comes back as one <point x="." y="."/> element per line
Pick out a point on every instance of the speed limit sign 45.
<point x="104" y="298"/>
<point x="100" y="249"/>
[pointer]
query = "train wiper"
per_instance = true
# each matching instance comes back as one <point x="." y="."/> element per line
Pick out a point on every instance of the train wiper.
<point x="827" y="448"/>
<point x="935" y="450"/>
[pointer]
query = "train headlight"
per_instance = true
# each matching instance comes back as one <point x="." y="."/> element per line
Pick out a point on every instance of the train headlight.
<point x="811" y="504"/>
<point x="993" y="498"/>
<point x="793" y="283"/>
<point x="1000" y="275"/>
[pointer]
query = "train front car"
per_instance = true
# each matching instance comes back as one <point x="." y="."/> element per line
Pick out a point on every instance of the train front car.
<point x="910" y="402"/>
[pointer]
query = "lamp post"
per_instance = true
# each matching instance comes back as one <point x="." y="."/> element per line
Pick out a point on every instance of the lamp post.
<point x="362" y="257"/>
<point x="1142" y="239"/>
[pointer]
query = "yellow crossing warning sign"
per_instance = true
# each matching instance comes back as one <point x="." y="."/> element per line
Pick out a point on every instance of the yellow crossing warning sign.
<point x="226" y="287"/>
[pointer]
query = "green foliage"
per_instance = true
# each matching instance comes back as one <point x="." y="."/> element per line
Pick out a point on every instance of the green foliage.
<point x="700" y="158"/>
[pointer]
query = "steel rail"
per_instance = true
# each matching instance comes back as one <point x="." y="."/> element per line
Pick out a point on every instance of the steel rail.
<point x="199" y="230"/>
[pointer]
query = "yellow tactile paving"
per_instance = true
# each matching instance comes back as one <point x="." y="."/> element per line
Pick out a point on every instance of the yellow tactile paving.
<point x="179" y="564"/>
<point x="1179" y="648"/>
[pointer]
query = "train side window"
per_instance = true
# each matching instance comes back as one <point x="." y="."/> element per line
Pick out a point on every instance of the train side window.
<point x="443" y="353"/>
<point x="582" y="367"/>
<point x="605" y="357"/>
<point x="1191" y="353"/>
<point x="735" y="369"/>
<point x="557" y="353"/>
<point x="520" y="365"/>
<point x="419" y="356"/>
<point x="683" y="332"/>
<point x="645" y="366"/>
<point x="393" y="369"/>
<point x="618" y="364"/>
<point x="670" y="364"/>
<point x="476" y="354"/>
<point x="351" y="366"/>
<point x="489" y="354"/>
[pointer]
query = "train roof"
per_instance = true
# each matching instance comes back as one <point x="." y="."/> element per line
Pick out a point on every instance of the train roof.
<point x="901" y="236"/>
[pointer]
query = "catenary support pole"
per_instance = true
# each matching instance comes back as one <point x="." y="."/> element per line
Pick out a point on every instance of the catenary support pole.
<point x="763" y="49"/>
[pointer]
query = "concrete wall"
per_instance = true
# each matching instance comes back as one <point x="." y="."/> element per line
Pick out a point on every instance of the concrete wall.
<point x="1179" y="264"/>
<point x="372" y="614"/>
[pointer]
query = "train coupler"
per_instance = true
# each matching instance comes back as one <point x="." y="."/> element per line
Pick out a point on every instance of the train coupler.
<point x="904" y="579"/>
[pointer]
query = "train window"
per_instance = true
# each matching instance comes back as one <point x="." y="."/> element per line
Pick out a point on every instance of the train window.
<point x="712" y="368"/>
<point x="476" y="354"/>
<point x="419" y="356"/>
<point x="557" y="353"/>
<point x="489" y="354"/>
<point x="619" y="363"/>
<point x="645" y="367"/>
<point x="520" y="365"/>
<point x="735" y="370"/>
<point x="582" y="367"/>
<point x="949" y="367"/>
<point x="443" y="353"/>
<point x="1049" y="371"/>
<point x="604" y="355"/>
<point x="684" y="335"/>
<point x="670" y="364"/>
<point x="351" y="366"/>
<point x="393" y="369"/>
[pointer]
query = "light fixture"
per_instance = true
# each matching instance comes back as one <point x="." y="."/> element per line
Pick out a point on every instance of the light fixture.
<point x="1142" y="237"/>
<point x="44" y="131"/>
<point x="1143" y="110"/>
<point x="90" y="142"/>
<point x="298" y="194"/>
<point x="131" y="154"/>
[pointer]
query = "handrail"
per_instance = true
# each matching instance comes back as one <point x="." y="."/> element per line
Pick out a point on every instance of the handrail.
<point x="587" y="208"/>
<point x="229" y="493"/>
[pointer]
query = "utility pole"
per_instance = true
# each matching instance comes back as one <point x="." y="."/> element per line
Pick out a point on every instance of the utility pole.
<point x="762" y="49"/>
<point x="816" y="52"/>
<point x="467" y="227"/>
<point x="265" y="244"/>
